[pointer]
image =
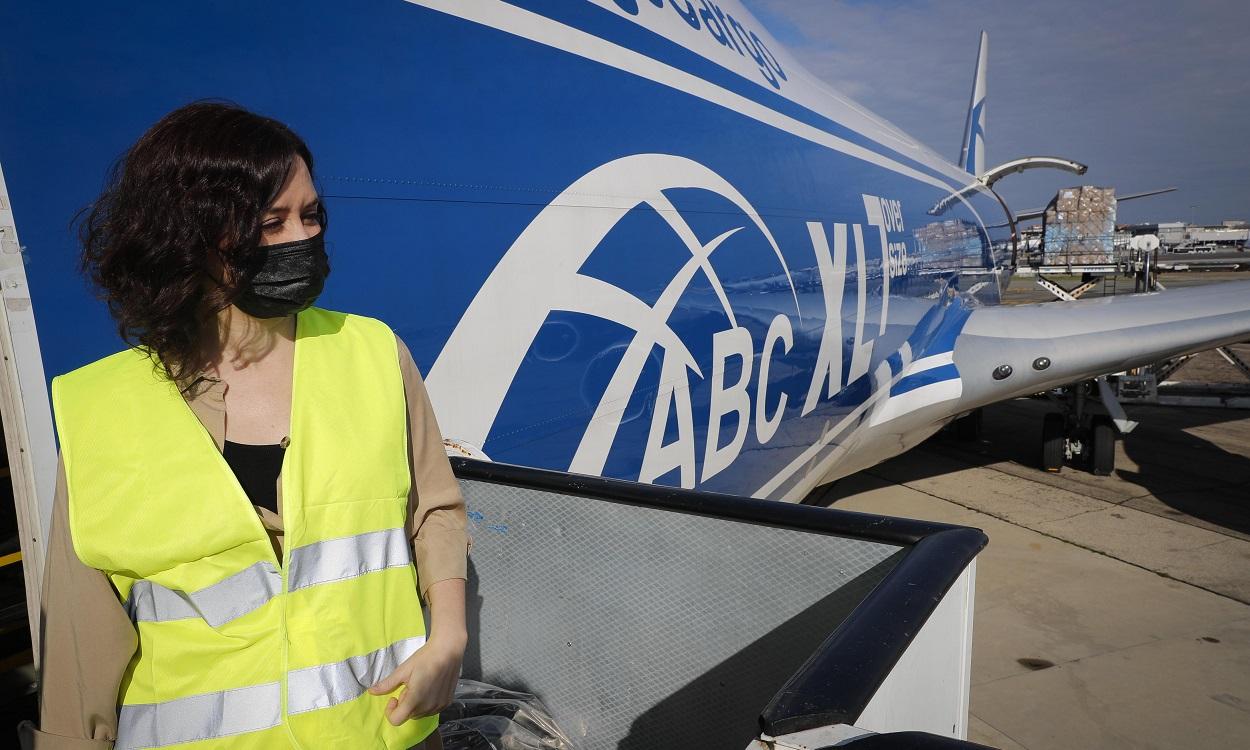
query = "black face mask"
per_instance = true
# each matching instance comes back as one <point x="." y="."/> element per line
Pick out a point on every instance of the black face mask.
<point x="287" y="279"/>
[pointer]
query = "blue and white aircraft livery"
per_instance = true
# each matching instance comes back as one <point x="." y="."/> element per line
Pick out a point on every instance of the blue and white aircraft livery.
<point x="972" y="155"/>
<point x="632" y="238"/>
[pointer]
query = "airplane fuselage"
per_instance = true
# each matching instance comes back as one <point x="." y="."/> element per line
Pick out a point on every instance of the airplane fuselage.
<point x="625" y="238"/>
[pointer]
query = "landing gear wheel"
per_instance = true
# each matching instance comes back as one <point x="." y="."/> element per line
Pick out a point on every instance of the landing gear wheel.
<point x="1053" y="439"/>
<point x="1102" y="458"/>
<point x="968" y="427"/>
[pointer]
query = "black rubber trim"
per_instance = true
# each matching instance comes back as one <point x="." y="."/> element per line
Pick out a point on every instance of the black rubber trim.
<point x="899" y="531"/>
<point x="841" y="677"/>
<point x="909" y="741"/>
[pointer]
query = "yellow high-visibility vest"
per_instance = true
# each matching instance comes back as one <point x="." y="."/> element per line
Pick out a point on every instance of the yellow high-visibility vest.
<point x="237" y="649"/>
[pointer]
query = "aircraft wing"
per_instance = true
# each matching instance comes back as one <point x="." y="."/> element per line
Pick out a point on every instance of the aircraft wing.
<point x="1087" y="338"/>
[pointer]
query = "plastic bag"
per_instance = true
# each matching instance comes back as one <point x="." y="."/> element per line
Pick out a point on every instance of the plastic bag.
<point x="486" y="717"/>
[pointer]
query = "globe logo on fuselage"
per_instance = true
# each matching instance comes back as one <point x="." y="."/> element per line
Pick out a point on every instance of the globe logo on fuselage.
<point x="542" y="274"/>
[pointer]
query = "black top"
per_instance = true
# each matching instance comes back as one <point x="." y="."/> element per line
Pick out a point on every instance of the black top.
<point x="257" y="468"/>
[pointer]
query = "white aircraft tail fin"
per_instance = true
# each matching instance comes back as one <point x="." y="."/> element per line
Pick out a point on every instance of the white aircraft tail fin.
<point x="972" y="153"/>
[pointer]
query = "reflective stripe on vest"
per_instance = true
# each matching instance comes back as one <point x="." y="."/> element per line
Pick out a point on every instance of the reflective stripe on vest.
<point x="250" y="709"/>
<point x="232" y="641"/>
<point x="218" y="604"/>
<point x="330" y="684"/>
<point x="347" y="557"/>
<point x="321" y="562"/>
<point x="200" y="717"/>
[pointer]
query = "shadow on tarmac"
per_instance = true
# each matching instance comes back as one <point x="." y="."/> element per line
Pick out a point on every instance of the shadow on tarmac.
<point x="1167" y="466"/>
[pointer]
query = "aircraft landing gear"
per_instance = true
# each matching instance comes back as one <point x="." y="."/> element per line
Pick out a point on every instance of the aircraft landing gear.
<point x="1084" y="429"/>
<point x="1102" y="443"/>
<point x="1054" y="441"/>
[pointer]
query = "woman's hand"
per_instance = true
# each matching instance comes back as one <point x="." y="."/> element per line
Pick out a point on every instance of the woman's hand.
<point x="429" y="676"/>
<point x="429" y="679"/>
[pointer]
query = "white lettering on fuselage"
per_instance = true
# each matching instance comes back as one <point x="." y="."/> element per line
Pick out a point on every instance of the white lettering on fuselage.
<point x="541" y="274"/>
<point x="861" y="351"/>
<point x="887" y="216"/>
<point x="673" y="396"/>
<point x="828" y="371"/>
<point x="723" y="28"/>
<point x="780" y="330"/>
<point x="659" y="458"/>
<point x="735" y="342"/>
<point x="733" y="400"/>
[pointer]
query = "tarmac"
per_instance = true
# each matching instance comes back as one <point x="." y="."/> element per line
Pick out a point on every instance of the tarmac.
<point x="1111" y="612"/>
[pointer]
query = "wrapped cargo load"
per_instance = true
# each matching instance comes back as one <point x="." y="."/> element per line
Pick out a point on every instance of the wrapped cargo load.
<point x="1078" y="227"/>
<point x="949" y="245"/>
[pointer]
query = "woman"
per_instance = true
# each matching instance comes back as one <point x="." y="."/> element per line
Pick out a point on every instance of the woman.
<point x="243" y="492"/>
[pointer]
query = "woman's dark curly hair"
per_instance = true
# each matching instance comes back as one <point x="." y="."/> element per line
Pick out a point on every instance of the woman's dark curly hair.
<point x="186" y="200"/>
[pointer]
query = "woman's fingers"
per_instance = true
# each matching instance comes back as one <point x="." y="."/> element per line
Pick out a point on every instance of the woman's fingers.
<point x="402" y="710"/>
<point x="390" y="682"/>
<point x="413" y="704"/>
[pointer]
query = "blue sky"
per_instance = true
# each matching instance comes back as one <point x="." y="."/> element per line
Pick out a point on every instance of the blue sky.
<point x="1150" y="94"/>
